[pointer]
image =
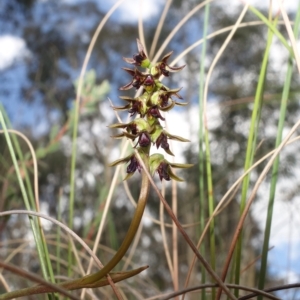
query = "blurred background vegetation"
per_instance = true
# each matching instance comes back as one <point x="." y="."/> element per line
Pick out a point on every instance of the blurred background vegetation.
<point x="37" y="92"/>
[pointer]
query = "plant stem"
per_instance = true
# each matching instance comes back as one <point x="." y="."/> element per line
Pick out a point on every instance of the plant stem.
<point x="136" y="220"/>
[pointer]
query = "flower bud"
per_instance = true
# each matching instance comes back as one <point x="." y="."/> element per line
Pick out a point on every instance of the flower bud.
<point x="139" y="59"/>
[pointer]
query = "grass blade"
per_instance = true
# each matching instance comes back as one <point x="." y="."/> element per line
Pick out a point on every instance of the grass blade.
<point x="251" y="144"/>
<point x="283" y="108"/>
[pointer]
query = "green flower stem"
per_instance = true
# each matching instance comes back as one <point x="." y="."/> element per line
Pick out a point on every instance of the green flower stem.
<point x="136" y="220"/>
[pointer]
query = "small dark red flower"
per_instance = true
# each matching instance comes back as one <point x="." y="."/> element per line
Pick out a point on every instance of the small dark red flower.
<point x="137" y="81"/>
<point x="163" y="171"/>
<point x="164" y="100"/>
<point x="162" y="67"/>
<point x="139" y="59"/>
<point x="160" y="165"/>
<point x="162" y="141"/>
<point x="132" y="127"/>
<point x="135" y="108"/>
<point x="144" y="139"/>
<point x="154" y="112"/>
<point x="134" y="165"/>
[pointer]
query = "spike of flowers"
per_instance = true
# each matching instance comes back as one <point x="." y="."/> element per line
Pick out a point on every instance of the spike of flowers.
<point x="146" y="128"/>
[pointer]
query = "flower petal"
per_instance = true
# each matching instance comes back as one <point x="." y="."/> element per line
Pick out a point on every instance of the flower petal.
<point x="129" y="60"/>
<point x="128" y="99"/>
<point x="175" y="69"/>
<point x="129" y="135"/>
<point x="125" y="107"/>
<point x="173" y="176"/>
<point x="130" y="71"/>
<point x="167" y="56"/>
<point x="181" y="166"/>
<point x="120" y="161"/>
<point x="181" y="103"/>
<point x="128" y="175"/>
<point x="126" y="87"/>
<point x="169" y="151"/>
<point x="118" y="125"/>
<point x="168" y="107"/>
<point x="140" y="46"/>
<point x="176" y="137"/>
<point x="118" y="136"/>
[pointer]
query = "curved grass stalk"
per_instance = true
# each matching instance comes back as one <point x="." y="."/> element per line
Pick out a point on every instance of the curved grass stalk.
<point x="76" y="119"/>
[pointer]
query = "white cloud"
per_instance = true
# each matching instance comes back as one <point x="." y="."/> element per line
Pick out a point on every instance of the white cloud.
<point x="289" y="5"/>
<point x="131" y="10"/>
<point x="12" y="48"/>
